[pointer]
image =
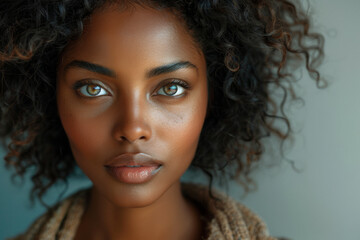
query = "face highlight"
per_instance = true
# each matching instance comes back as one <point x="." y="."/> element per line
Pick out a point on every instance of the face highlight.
<point x="134" y="82"/>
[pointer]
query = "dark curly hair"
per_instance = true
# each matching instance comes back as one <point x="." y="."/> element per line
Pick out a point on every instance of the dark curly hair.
<point x="251" y="48"/>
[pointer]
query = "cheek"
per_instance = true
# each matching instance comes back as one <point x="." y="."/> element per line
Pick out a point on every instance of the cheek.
<point x="182" y="129"/>
<point x="83" y="134"/>
<point x="84" y="130"/>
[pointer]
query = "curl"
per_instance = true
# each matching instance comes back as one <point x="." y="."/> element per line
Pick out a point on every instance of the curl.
<point x="251" y="49"/>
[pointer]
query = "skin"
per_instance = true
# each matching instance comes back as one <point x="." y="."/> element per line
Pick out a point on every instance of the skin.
<point x="133" y="114"/>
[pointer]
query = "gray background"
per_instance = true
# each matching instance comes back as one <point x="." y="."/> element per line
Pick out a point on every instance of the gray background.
<point x="322" y="201"/>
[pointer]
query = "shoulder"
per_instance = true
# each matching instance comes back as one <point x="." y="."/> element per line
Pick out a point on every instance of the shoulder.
<point x="254" y="224"/>
<point x="226" y="218"/>
<point x="60" y="220"/>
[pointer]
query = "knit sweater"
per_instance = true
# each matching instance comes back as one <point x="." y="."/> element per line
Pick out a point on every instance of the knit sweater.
<point x="226" y="219"/>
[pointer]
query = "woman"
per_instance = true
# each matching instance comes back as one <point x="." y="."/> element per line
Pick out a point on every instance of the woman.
<point x="135" y="92"/>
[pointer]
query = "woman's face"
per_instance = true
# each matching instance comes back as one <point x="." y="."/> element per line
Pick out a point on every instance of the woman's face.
<point x="132" y="98"/>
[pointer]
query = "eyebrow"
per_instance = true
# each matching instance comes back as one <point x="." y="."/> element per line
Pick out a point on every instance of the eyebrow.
<point x="172" y="67"/>
<point x="151" y="73"/>
<point x="91" y="67"/>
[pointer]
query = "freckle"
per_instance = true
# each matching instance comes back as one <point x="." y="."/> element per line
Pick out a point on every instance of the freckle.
<point x="178" y="118"/>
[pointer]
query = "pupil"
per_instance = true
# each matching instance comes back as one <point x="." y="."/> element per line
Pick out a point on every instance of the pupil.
<point x="171" y="89"/>
<point x="93" y="89"/>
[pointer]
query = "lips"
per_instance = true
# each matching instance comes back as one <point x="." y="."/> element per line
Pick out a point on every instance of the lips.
<point x="133" y="168"/>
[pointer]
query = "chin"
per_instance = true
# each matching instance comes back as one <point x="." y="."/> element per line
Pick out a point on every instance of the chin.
<point x="133" y="195"/>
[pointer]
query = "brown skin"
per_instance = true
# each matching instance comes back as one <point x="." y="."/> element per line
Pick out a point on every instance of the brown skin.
<point x="131" y="114"/>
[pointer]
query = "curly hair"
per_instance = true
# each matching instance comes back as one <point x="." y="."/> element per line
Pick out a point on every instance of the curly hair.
<point x="251" y="48"/>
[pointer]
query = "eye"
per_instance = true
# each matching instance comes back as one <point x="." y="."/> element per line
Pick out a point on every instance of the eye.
<point x="90" y="89"/>
<point x="174" y="88"/>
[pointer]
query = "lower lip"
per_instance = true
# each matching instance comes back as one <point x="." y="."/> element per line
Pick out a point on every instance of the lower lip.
<point x="133" y="175"/>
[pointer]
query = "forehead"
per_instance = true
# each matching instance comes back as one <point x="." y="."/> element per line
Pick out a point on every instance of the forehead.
<point x="135" y="33"/>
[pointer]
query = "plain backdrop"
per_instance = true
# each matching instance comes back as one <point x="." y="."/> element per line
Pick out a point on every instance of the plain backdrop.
<point x="319" y="202"/>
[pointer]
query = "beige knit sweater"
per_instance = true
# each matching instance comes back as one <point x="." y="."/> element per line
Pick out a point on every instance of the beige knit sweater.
<point x="226" y="219"/>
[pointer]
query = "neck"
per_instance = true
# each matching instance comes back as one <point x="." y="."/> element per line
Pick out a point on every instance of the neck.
<point x="169" y="217"/>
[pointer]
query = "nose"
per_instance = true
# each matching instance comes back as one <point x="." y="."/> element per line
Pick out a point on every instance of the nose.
<point x="132" y="121"/>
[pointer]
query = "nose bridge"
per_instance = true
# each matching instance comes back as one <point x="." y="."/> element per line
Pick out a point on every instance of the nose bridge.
<point x="132" y="122"/>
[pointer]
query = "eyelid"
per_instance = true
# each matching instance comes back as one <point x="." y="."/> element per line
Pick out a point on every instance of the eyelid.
<point x="174" y="81"/>
<point x="77" y="85"/>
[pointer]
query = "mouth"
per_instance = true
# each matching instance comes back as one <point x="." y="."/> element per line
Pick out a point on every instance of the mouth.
<point x="133" y="168"/>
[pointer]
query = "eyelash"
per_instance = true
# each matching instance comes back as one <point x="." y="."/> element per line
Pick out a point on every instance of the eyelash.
<point x="177" y="82"/>
<point x="87" y="82"/>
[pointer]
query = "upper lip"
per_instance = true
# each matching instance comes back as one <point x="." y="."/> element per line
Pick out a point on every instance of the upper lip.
<point x="132" y="159"/>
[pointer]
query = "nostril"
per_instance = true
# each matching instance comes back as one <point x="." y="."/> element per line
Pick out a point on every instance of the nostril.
<point x="131" y="132"/>
<point x="125" y="139"/>
<point x="122" y="138"/>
